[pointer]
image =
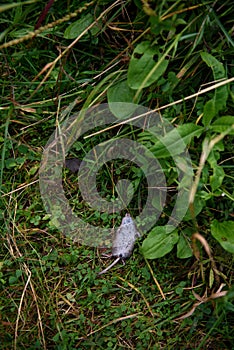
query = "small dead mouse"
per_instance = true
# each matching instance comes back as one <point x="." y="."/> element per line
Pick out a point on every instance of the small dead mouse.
<point x="124" y="240"/>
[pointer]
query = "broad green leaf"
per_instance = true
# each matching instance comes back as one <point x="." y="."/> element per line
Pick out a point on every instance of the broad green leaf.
<point x="146" y="66"/>
<point x="222" y="124"/>
<point x="184" y="250"/>
<point x="159" y="242"/>
<point x="216" y="66"/>
<point x="217" y="177"/>
<point x="218" y="102"/>
<point x="223" y="232"/>
<point x="121" y="92"/>
<point x="77" y="27"/>
<point x="209" y="111"/>
<point x="176" y="140"/>
<point x="198" y="205"/>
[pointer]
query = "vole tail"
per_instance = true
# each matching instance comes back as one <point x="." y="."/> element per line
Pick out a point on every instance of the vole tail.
<point x="110" y="266"/>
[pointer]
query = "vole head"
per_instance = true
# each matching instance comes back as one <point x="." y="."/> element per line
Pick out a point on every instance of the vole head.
<point x="127" y="220"/>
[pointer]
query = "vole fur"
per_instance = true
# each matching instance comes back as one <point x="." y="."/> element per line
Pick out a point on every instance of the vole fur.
<point x="124" y="240"/>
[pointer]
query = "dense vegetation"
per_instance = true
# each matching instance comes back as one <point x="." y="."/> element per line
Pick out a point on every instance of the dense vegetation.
<point x="175" y="58"/>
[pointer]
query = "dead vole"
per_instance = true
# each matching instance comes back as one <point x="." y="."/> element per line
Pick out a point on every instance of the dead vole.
<point x="124" y="240"/>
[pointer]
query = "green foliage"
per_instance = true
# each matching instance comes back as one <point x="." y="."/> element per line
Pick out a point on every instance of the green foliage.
<point x="223" y="232"/>
<point x="161" y="55"/>
<point x="146" y="66"/>
<point x="117" y="94"/>
<point x="159" y="242"/>
<point x="184" y="250"/>
<point x="76" y="28"/>
<point x="218" y="102"/>
<point x="216" y="179"/>
<point x="176" y="140"/>
<point x="223" y="124"/>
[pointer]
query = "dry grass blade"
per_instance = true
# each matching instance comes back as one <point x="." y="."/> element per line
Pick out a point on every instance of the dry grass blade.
<point x="215" y="86"/>
<point x="20" y="188"/>
<point x="197" y="236"/>
<point x="155" y="280"/>
<point x="120" y="319"/>
<point x="51" y="65"/>
<point x="31" y="35"/>
<point x="139" y="292"/>
<point x="207" y="148"/>
<point x="15" y="252"/>
<point x="204" y="299"/>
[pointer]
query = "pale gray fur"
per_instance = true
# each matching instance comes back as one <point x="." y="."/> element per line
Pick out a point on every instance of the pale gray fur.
<point x="124" y="240"/>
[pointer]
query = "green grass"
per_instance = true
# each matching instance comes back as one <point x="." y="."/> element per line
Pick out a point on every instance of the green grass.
<point x="51" y="296"/>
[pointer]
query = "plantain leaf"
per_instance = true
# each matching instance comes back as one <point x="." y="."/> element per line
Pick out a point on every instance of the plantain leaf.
<point x="159" y="242"/>
<point x="77" y="27"/>
<point x="224" y="123"/>
<point x="209" y="111"/>
<point x="198" y="205"/>
<point x="223" y="233"/>
<point x="216" y="179"/>
<point x="184" y="249"/>
<point x="121" y="92"/>
<point x="218" y="102"/>
<point x="216" y="66"/>
<point x="176" y="140"/>
<point x="146" y="66"/>
<point x="218" y="175"/>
